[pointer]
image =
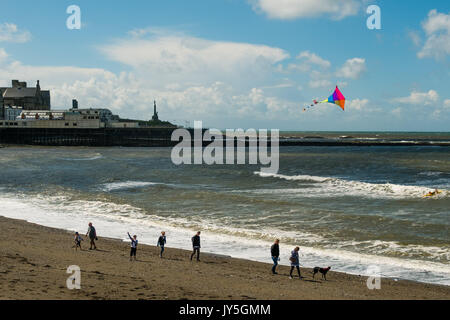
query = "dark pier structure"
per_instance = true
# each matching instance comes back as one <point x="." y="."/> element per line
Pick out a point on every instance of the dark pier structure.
<point x="101" y="137"/>
<point x="161" y="137"/>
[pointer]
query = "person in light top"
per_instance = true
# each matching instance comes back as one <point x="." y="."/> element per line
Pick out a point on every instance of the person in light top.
<point x="295" y="262"/>
<point x="134" y="244"/>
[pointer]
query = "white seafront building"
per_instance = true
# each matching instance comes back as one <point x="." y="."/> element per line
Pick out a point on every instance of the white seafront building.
<point x="73" y="118"/>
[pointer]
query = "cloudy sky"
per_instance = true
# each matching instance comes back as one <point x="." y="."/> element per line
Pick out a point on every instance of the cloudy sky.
<point x="239" y="63"/>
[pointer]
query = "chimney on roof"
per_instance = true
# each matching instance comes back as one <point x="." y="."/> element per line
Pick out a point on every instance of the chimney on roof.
<point x="18" y="84"/>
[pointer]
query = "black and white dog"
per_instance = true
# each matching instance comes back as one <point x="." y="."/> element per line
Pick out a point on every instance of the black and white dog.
<point x="323" y="271"/>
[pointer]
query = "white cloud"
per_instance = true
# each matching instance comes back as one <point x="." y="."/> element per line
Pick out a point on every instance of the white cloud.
<point x="185" y="58"/>
<point x="293" y="9"/>
<point x="306" y="62"/>
<point x="415" y="38"/>
<point x="437" y="30"/>
<point x="312" y="58"/>
<point x="342" y="84"/>
<point x="419" y="98"/>
<point x="397" y="112"/>
<point x="321" y="83"/>
<point x="442" y="112"/>
<point x="447" y="104"/>
<point x="357" y="104"/>
<point x="352" y="68"/>
<point x="280" y="86"/>
<point x="9" y="32"/>
<point x="3" y="55"/>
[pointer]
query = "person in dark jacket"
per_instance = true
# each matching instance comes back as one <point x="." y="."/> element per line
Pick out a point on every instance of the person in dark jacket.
<point x="196" y="246"/>
<point x="161" y="243"/>
<point x="275" y="252"/>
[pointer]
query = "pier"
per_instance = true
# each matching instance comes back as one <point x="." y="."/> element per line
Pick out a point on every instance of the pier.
<point x="161" y="137"/>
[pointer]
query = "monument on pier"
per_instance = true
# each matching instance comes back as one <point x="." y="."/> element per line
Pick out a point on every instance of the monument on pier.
<point x="155" y="114"/>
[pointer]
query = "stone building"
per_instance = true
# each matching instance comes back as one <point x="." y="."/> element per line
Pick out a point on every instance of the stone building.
<point x="27" y="98"/>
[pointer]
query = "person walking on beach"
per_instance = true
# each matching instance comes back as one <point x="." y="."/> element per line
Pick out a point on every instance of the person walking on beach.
<point x="295" y="262"/>
<point x="78" y="240"/>
<point x="196" y="246"/>
<point x="161" y="243"/>
<point x="92" y="235"/>
<point x="134" y="244"/>
<point x="275" y="252"/>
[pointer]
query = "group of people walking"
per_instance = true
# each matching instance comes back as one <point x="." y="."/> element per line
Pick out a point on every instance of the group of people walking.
<point x="294" y="259"/>
<point x="91" y="233"/>
<point x="162" y="240"/>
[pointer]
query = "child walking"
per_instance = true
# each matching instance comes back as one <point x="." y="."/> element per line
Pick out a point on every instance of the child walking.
<point x="78" y="240"/>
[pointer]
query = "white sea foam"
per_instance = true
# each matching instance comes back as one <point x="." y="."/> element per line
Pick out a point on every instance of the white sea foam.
<point x="331" y="187"/>
<point x="93" y="157"/>
<point x="431" y="173"/>
<point x="114" y="186"/>
<point x="114" y="220"/>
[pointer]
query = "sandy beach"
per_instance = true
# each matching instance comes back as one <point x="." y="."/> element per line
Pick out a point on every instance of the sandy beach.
<point x="34" y="260"/>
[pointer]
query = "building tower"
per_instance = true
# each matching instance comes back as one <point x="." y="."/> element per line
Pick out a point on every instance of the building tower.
<point x="155" y="114"/>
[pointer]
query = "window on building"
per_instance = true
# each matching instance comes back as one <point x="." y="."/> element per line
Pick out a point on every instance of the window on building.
<point x="67" y="124"/>
<point x="74" y="124"/>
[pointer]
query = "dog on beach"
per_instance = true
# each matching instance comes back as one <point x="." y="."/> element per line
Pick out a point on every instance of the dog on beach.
<point x="323" y="271"/>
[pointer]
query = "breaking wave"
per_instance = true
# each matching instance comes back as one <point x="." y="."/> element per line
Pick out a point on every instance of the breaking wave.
<point x="115" y="186"/>
<point x="314" y="186"/>
<point x="96" y="156"/>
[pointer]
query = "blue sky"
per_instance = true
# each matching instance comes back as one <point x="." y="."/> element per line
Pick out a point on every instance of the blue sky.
<point x="239" y="63"/>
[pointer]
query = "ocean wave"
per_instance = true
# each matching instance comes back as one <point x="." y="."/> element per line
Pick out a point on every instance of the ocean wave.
<point x="305" y="178"/>
<point x="431" y="173"/>
<point x="96" y="156"/>
<point x="115" y="186"/>
<point x="331" y="187"/>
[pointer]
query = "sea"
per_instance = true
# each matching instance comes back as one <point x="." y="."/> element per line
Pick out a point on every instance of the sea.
<point x="352" y="208"/>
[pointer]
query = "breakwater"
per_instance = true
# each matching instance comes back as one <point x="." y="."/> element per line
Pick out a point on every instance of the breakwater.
<point x="161" y="137"/>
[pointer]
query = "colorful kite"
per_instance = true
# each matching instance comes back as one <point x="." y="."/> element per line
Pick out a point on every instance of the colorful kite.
<point x="336" y="98"/>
